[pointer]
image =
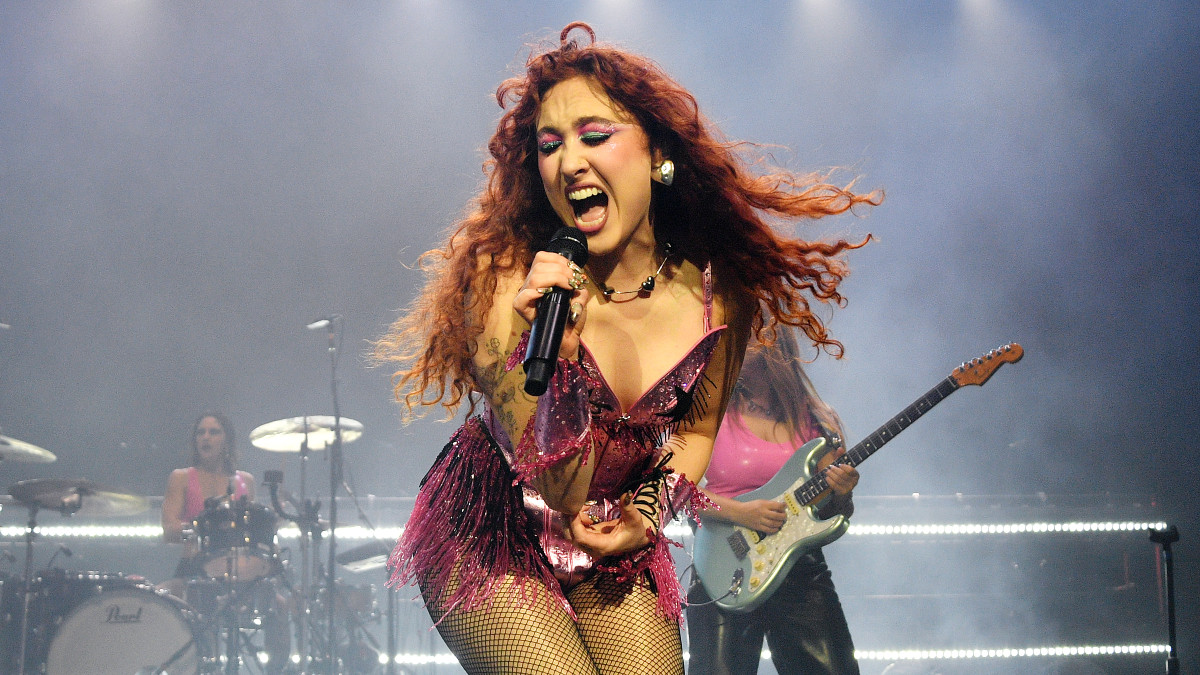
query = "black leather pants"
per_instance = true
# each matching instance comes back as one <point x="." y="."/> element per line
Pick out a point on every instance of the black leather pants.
<point x="802" y="622"/>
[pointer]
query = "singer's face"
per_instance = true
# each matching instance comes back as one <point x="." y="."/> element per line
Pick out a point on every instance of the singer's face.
<point x="210" y="441"/>
<point x="595" y="165"/>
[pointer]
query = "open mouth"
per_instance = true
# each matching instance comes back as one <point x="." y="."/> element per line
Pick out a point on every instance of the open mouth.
<point x="589" y="204"/>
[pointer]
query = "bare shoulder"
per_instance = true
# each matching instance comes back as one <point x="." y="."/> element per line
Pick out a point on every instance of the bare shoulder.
<point x="176" y="483"/>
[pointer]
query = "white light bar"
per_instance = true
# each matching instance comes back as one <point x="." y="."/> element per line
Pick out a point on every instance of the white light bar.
<point x="357" y="532"/>
<point x="155" y="532"/>
<point x="446" y="659"/>
<point x="1002" y="528"/>
<point x="1006" y="653"/>
<point x="674" y="529"/>
<point x="87" y="531"/>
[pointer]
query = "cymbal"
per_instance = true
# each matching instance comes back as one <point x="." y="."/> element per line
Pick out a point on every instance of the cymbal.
<point x="20" y="451"/>
<point x="78" y="496"/>
<point x="287" y="435"/>
<point x="371" y="555"/>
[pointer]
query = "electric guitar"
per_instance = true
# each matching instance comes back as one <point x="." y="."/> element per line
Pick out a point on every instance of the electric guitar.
<point x="741" y="568"/>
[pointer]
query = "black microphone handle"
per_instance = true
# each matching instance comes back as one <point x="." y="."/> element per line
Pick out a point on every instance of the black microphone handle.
<point x="542" y="355"/>
<point x="545" y="335"/>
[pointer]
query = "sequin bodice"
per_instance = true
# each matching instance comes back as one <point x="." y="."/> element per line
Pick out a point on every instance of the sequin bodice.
<point x="633" y="436"/>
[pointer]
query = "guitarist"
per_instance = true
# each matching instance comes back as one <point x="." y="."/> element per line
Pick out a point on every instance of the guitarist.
<point x="773" y="411"/>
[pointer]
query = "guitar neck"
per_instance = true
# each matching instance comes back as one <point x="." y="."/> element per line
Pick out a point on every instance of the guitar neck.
<point x="816" y="486"/>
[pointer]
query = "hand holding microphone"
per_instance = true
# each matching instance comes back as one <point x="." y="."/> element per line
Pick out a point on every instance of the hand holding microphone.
<point x="560" y="285"/>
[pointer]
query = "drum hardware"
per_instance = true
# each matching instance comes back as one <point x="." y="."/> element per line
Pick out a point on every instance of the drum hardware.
<point x="231" y="613"/>
<point x="238" y="555"/>
<point x="237" y="540"/>
<point x="68" y="497"/>
<point x="1164" y="538"/>
<point x="304" y="435"/>
<point x="310" y="526"/>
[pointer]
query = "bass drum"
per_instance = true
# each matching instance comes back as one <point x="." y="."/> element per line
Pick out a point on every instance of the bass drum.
<point x="124" y="631"/>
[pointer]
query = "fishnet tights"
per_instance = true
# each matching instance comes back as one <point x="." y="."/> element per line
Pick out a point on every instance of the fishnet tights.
<point x="618" y="633"/>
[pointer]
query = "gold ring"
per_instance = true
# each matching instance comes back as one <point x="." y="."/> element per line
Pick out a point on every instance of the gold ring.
<point x="577" y="281"/>
<point x="573" y="267"/>
<point x="575" y="313"/>
<point x="545" y="290"/>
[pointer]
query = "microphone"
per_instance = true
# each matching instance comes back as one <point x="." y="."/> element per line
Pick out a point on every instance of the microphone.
<point x="322" y="322"/>
<point x="545" y="337"/>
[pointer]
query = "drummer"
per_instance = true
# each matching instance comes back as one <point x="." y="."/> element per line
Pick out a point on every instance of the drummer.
<point x="211" y="475"/>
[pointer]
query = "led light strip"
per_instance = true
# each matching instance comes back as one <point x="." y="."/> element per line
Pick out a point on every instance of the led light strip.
<point x="1006" y="653"/>
<point x="1002" y="528"/>
<point x="678" y="530"/>
<point x="892" y="655"/>
<point x="354" y="532"/>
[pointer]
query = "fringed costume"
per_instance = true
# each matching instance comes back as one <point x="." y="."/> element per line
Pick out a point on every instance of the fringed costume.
<point x="480" y="535"/>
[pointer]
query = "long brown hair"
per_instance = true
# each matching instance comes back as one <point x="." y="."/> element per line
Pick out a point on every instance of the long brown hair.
<point x="776" y="371"/>
<point x="716" y="212"/>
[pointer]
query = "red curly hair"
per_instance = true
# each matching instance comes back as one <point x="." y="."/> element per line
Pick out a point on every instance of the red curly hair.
<point x="717" y="212"/>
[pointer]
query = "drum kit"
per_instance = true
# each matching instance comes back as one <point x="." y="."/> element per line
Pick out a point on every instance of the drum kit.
<point x="56" y="621"/>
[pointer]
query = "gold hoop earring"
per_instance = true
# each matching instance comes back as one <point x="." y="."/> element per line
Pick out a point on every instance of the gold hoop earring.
<point x="664" y="173"/>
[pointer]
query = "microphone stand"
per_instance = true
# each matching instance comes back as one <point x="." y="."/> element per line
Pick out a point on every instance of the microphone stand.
<point x="1164" y="538"/>
<point x="335" y="479"/>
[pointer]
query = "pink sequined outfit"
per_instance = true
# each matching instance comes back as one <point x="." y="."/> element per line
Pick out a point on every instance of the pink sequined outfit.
<point x="475" y="508"/>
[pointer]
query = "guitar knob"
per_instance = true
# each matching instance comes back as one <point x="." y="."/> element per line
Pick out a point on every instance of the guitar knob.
<point x="754" y="582"/>
<point x="760" y="549"/>
<point x="758" y="566"/>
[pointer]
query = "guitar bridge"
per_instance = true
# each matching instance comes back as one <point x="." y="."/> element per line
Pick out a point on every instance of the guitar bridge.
<point x="738" y="544"/>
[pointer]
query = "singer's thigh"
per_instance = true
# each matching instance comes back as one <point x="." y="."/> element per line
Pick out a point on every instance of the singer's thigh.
<point x="623" y="630"/>
<point x="511" y="635"/>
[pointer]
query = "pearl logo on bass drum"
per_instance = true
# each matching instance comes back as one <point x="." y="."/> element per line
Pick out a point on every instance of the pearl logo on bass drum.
<point x="115" y="615"/>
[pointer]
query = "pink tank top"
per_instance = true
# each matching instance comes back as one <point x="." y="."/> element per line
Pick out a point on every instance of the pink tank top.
<point x="193" y="503"/>
<point x="741" y="461"/>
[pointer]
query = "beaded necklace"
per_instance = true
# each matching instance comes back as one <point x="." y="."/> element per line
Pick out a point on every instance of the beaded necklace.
<point x="647" y="286"/>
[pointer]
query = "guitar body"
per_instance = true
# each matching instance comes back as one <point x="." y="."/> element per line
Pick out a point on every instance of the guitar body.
<point x="725" y="553"/>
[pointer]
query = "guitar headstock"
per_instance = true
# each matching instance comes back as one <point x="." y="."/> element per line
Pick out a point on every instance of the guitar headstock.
<point x="977" y="371"/>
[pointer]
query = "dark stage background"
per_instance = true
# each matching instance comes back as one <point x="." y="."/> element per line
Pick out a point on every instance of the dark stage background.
<point x="183" y="186"/>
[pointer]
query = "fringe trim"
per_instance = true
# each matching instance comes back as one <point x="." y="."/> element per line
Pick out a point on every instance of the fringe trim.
<point x="653" y="565"/>
<point x="469" y="525"/>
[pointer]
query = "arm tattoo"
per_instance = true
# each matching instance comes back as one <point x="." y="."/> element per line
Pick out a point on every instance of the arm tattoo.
<point x="502" y="387"/>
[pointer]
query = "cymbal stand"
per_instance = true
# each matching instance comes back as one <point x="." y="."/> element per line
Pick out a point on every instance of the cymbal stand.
<point x="335" y="479"/>
<point x="310" y="532"/>
<point x="1164" y="538"/>
<point x="229" y="617"/>
<point x="30" y="535"/>
<point x="69" y="506"/>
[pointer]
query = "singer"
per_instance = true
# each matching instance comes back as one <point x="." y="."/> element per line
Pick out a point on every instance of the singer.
<point x="536" y="538"/>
